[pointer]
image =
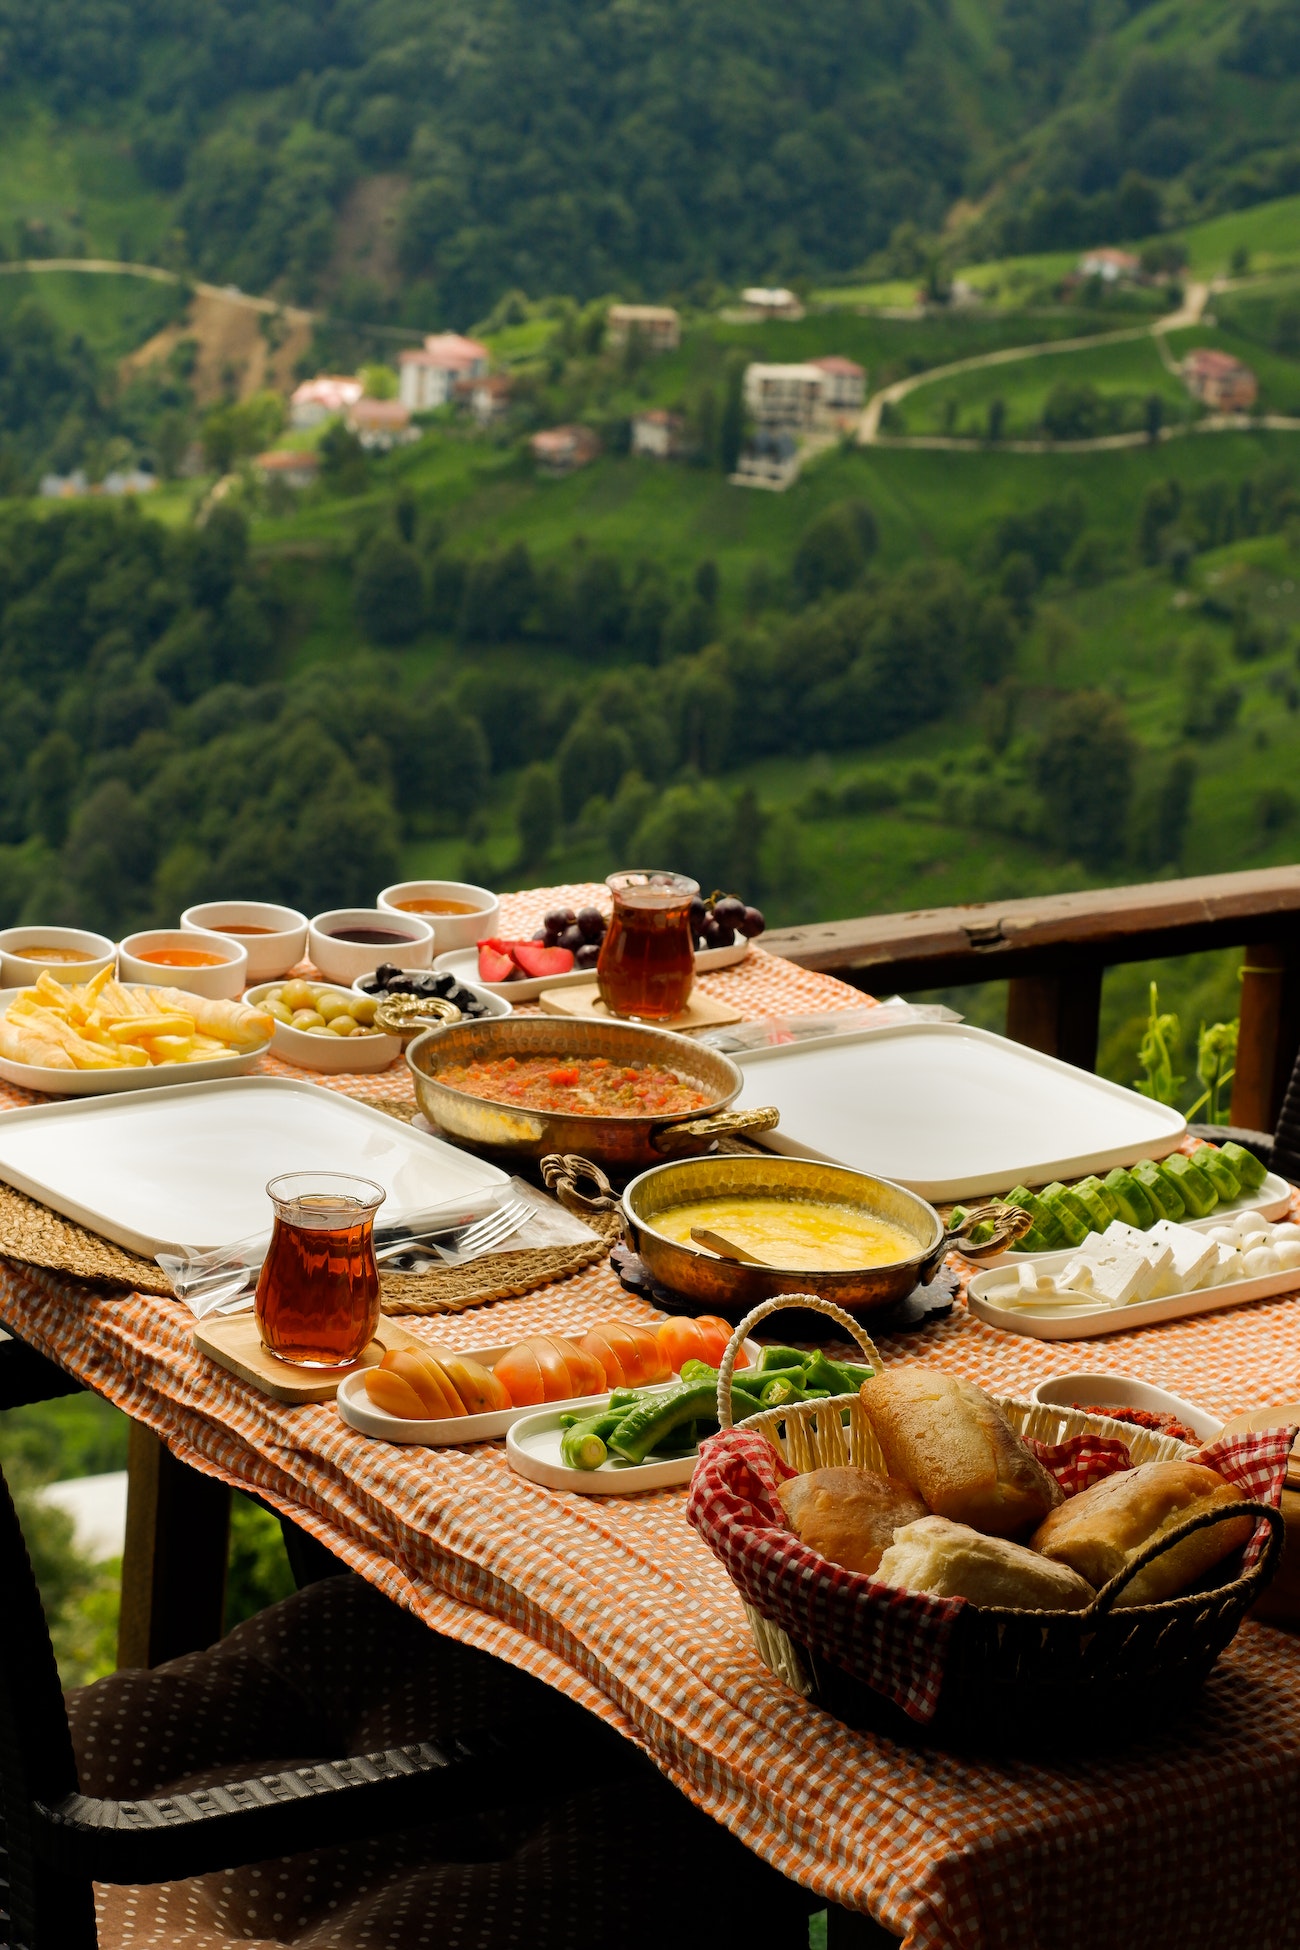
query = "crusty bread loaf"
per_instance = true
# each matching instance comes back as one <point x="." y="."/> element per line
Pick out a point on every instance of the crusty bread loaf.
<point x="849" y="1515"/>
<point x="958" y="1451"/>
<point x="950" y="1560"/>
<point x="1098" y="1531"/>
<point x="1280" y="1601"/>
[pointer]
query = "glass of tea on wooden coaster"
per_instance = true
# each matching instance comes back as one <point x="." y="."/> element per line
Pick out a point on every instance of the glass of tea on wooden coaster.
<point x="647" y="959"/>
<point x="317" y="1299"/>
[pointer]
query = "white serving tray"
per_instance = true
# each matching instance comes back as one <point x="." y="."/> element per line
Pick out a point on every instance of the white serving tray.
<point x="533" y="1450"/>
<point x="1271" y="1201"/>
<point x="1124" y="1391"/>
<point x="949" y="1111"/>
<point x="446" y="1431"/>
<point x="188" y="1166"/>
<point x="1087" y="1324"/>
<point x="99" y="1083"/>
<point x="463" y="964"/>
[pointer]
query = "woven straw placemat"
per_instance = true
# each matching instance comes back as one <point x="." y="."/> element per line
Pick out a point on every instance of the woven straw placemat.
<point x="30" y="1232"/>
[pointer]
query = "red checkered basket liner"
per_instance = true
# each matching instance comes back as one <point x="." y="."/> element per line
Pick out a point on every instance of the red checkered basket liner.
<point x="897" y="1642"/>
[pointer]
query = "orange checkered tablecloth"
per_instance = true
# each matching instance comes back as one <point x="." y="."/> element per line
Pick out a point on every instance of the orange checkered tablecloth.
<point x="1187" y="1839"/>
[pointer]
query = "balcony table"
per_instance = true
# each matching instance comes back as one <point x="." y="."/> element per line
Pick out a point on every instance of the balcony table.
<point x="1186" y="1839"/>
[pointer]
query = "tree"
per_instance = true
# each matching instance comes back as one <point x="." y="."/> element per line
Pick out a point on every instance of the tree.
<point x="997" y="418"/>
<point x="834" y="548"/>
<point x="380" y="382"/>
<point x="1153" y="416"/>
<point x="1161" y="506"/>
<point x="1160" y="821"/>
<point x="388" y="590"/>
<point x="52" y="781"/>
<point x="1072" y="411"/>
<point x="1084" y="771"/>
<point x="1018" y="584"/>
<point x="537" y="813"/>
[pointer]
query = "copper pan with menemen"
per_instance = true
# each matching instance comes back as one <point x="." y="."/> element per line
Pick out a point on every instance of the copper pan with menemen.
<point x="730" y="1231"/>
<point x="621" y="1095"/>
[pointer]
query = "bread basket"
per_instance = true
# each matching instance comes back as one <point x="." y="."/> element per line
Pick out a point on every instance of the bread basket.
<point x="1018" y="1678"/>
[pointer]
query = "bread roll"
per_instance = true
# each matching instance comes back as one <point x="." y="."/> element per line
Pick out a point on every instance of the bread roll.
<point x="849" y="1515"/>
<point x="950" y="1560"/>
<point x="957" y="1450"/>
<point x="1098" y="1531"/>
<point x="1280" y="1603"/>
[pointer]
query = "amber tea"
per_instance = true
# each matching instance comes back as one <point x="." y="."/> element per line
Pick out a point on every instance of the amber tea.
<point x="317" y="1299"/>
<point x="646" y="968"/>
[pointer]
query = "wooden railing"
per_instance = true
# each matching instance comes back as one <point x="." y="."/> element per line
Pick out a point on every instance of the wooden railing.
<point x="1053" y="952"/>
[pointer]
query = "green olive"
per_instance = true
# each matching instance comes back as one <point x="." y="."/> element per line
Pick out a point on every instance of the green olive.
<point x="279" y="1010"/>
<point x="330" y="1006"/>
<point x="321" y="1029"/>
<point x="275" y="994"/>
<point x="363" y="1010"/>
<point x="342" y="1026"/>
<point x="307" y="1019"/>
<point x="298" y="995"/>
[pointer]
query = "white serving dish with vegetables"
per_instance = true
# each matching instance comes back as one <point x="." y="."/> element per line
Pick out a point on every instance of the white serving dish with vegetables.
<point x="648" y="1438"/>
<point x="1127" y="1278"/>
<point x="305" y="1014"/>
<point x="1201" y="1189"/>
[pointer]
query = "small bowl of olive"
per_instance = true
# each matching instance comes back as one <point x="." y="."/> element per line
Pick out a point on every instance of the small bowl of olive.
<point x="321" y="1027"/>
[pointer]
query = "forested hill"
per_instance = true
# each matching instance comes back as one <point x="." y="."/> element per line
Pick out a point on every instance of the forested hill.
<point x="652" y="146"/>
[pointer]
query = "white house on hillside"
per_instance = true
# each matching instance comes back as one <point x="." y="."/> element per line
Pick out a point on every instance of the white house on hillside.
<point x="658" y="327"/>
<point x="784" y="396"/>
<point x="770" y="301"/>
<point x="318" y="399"/>
<point x="844" y="384"/>
<point x="428" y="377"/>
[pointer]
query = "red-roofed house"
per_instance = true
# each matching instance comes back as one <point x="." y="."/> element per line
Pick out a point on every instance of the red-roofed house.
<point x="1219" y="380"/>
<point x="380" y="424"/>
<point x="844" y="386"/>
<point x="316" y="399"/>
<point x="658" y="433"/>
<point x="1109" y="265"/>
<point x="560" y="449"/>
<point x="294" y="469"/>
<point x="429" y="377"/>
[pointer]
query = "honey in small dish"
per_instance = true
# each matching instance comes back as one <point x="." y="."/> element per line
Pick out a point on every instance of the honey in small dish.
<point x="242" y="927"/>
<point x="72" y="956"/>
<point x="802" y="1237"/>
<point x="435" y="904"/>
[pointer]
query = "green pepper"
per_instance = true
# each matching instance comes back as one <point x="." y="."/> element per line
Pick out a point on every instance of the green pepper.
<point x="644" y="1428"/>
<point x="781" y="1357"/>
<point x="1198" y="1192"/>
<point x="583" y="1446"/>
<point x="1246" y="1165"/>
<point x="1219" y="1171"/>
<point x="697" y="1371"/>
<point x="1135" y="1208"/>
<point x="1160" y="1189"/>
<point x="780" y="1391"/>
<point x="834" y="1376"/>
<point x="743" y="1403"/>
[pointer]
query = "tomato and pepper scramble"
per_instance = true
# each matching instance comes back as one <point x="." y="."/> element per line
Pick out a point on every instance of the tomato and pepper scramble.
<point x="589" y="1086"/>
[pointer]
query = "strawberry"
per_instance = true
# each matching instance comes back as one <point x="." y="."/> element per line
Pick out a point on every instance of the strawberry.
<point x="536" y="960"/>
<point x="493" y="966"/>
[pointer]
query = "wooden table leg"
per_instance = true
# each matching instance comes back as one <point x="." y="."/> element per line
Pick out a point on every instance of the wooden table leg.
<point x="174" y="1562"/>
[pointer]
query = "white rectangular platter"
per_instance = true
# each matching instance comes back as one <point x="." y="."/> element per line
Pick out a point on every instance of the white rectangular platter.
<point x="950" y="1111"/>
<point x="157" y="1169"/>
<point x="449" y="1431"/>
<point x="1090" y="1325"/>
<point x="1271" y="1201"/>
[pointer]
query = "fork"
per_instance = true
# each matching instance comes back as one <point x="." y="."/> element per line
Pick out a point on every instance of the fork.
<point x="478" y="1238"/>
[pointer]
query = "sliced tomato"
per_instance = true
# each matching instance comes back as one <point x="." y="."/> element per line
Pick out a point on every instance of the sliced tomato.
<point x="717" y="1333"/>
<point x="681" y="1340"/>
<point x="389" y="1392"/>
<point x="520" y="1373"/>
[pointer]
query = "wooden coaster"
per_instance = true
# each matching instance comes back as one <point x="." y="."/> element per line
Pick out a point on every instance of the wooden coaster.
<point x="1283" y="1415"/>
<point x="701" y="1012"/>
<point x="234" y="1341"/>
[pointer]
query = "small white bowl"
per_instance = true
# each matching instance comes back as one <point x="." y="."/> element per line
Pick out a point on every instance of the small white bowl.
<point x="270" y="954"/>
<point x="221" y="981"/>
<point x="332" y="1056"/>
<point x="495" y="1004"/>
<point x="1124" y="1391"/>
<point x="18" y="969"/>
<point x="449" y="930"/>
<point x="343" y="961"/>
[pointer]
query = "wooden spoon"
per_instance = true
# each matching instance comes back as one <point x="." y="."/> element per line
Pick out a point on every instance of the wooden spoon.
<point x="725" y="1248"/>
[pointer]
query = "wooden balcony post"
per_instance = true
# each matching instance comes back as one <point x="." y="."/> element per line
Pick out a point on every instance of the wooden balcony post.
<point x="174" y="1561"/>
<point x="1059" y="1013"/>
<point x="1269" y="1035"/>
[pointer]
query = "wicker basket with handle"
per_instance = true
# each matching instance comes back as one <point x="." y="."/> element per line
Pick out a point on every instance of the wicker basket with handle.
<point x="1012" y="1676"/>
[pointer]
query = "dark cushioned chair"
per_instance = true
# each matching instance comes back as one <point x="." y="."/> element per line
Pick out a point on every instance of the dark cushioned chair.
<point x="332" y="1774"/>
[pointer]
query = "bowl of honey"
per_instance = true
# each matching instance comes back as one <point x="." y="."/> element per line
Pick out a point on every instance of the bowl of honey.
<point x="70" y="955"/>
<point x="458" y="912"/>
<point x="273" y="938"/>
<point x="215" y="965"/>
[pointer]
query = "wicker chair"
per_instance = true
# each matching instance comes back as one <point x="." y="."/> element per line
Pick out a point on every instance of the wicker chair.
<point x="199" y="1795"/>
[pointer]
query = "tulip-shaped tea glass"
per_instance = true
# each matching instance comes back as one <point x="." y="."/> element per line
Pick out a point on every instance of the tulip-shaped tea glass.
<point x="318" y="1293"/>
<point x="647" y="959"/>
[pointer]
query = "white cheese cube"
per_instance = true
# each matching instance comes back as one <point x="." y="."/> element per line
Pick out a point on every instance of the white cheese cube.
<point x="1288" y="1254"/>
<point x="1194" y="1254"/>
<point x="1119" y="1236"/>
<point x="1123" y="1280"/>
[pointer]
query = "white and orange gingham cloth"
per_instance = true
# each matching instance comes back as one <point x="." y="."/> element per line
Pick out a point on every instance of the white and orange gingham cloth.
<point x="1188" y="1839"/>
